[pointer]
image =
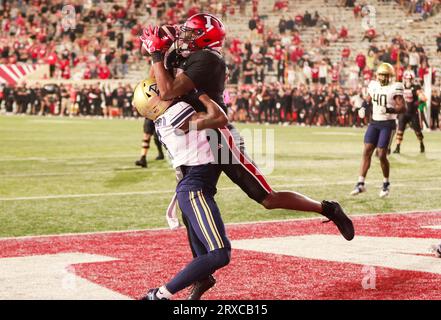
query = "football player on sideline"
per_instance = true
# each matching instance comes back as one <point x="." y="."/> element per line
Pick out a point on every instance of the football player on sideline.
<point x="387" y="101"/>
<point x="203" y="68"/>
<point x="149" y="130"/>
<point x="412" y="94"/>
<point x="190" y="153"/>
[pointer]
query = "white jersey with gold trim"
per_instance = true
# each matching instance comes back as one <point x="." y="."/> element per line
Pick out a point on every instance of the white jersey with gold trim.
<point x="190" y="148"/>
<point x="382" y="98"/>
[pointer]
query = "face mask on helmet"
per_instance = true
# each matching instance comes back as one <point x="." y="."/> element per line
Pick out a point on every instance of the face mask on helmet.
<point x="200" y="31"/>
<point x="383" y="78"/>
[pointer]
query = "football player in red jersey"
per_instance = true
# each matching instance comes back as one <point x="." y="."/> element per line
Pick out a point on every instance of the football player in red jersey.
<point x="412" y="93"/>
<point x="203" y="68"/>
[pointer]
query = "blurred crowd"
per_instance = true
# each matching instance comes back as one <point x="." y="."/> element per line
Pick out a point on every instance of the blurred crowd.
<point x="426" y="8"/>
<point x="69" y="100"/>
<point x="273" y="75"/>
<point x="305" y="105"/>
<point x="96" y="39"/>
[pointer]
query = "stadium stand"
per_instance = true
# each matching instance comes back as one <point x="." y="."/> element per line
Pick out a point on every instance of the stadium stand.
<point x="276" y="51"/>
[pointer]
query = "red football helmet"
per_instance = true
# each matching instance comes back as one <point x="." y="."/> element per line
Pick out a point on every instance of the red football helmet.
<point x="200" y="31"/>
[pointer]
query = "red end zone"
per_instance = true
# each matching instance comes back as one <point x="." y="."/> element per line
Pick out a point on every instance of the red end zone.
<point x="302" y="259"/>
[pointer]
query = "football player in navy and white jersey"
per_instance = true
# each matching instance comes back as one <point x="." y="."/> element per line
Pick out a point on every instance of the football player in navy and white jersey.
<point x="413" y="93"/>
<point x="191" y="154"/>
<point x="387" y="101"/>
<point x="203" y="68"/>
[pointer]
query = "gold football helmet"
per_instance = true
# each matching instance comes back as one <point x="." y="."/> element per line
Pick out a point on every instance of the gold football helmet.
<point x="385" y="72"/>
<point x="146" y="99"/>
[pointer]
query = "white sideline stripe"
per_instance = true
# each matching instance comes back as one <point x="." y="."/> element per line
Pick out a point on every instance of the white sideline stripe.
<point x="366" y="214"/>
<point x="108" y="194"/>
<point x="72" y="158"/>
<point x="438" y="227"/>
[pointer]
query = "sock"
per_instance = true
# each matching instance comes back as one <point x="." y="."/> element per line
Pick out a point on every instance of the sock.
<point x="385" y="180"/>
<point x="361" y="180"/>
<point x="199" y="268"/>
<point x="163" y="293"/>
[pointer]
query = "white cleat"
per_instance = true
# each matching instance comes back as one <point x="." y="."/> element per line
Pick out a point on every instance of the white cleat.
<point x="359" y="188"/>
<point x="385" y="190"/>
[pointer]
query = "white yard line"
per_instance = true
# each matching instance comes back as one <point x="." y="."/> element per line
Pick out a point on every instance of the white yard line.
<point x="50" y="174"/>
<point x="398" y="183"/>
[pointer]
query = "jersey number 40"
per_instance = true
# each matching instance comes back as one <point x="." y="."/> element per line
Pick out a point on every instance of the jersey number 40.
<point x="380" y="99"/>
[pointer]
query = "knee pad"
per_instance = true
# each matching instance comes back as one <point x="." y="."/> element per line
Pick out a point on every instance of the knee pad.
<point x="220" y="257"/>
<point x="146" y="144"/>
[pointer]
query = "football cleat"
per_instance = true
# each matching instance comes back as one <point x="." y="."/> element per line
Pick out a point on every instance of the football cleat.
<point x="422" y="148"/>
<point x="359" y="188"/>
<point x="397" y="149"/>
<point x="142" y="162"/>
<point x="334" y="212"/>
<point x="160" y="157"/>
<point x="385" y="190"/>
<point x="151" y="295"/>
<point x="200" y="287"/>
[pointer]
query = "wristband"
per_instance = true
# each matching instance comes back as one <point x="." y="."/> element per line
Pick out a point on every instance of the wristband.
<point x="156" y="56"/>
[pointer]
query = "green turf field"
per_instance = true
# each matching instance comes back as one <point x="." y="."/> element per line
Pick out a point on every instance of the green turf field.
<point x="60" y="175"/>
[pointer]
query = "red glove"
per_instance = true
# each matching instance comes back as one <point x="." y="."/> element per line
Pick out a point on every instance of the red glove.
<point x="155" y="41"/>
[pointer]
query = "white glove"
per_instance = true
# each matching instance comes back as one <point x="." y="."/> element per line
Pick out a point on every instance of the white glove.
<point x="362" y="113"/>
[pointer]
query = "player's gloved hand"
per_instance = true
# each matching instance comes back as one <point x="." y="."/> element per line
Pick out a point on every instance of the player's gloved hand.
<point x="158" y="39"/>
<point x="362" y="112"/>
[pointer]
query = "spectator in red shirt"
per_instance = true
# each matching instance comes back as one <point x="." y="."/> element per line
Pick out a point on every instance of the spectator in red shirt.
<point x="370" y="34"/>
<point x="315" y="73"/>
<point x="394" y="54"/>
<point x="345" y="53"/>
<point x="357" y="10"/>
<point x="52" y="61"/>
<point x="360" y="59"/>
<point x="65" y="73"/>
<point x="103" y="72"/>
<point x="343" y="33"/>
<point x="399" y="73"/>
<point x="296" y="38"/>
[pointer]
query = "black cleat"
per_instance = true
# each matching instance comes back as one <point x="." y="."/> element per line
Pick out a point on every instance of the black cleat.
<point x="151" y="295"/>
<point x="142" y="162"/>
<point x="334" y="212"/>
<point x="200" y="287"/>
<point x="160" y="157"/>
<point x="397" y="149"/>
<point x="422" y="148"/>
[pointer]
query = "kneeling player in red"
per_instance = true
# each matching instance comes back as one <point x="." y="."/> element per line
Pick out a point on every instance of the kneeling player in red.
<point x="190" y="153"/>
